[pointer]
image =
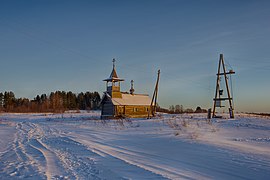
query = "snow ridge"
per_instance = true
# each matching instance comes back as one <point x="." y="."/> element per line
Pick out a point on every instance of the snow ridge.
<point x="80" y="146"/>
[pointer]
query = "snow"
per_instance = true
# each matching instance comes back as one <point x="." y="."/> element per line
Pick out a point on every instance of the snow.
<point x="81" y="146"/>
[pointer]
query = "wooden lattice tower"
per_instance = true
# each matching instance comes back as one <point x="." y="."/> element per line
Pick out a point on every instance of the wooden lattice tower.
<point x="219" y="92"/>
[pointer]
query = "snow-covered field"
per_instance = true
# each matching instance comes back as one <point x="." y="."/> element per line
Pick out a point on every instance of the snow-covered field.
<point x="80" y="146"/>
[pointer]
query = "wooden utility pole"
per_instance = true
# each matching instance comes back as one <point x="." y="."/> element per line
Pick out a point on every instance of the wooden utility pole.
<point x="219" y="92"/>
<point x="154" y="98"/>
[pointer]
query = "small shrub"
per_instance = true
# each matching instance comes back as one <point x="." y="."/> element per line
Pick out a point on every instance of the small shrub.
<point x="184" y="123"/>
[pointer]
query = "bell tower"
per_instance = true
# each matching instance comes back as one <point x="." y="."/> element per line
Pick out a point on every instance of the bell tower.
<point x="113" y="84"/>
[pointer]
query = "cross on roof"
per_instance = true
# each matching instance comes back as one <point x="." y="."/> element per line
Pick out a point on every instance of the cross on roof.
<point x="113" y="62"/>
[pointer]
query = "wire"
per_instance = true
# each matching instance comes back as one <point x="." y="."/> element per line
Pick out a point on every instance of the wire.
<point x="30" y="34"/>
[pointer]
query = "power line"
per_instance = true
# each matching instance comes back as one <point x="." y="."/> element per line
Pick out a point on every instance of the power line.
<point x="31" y="34"/>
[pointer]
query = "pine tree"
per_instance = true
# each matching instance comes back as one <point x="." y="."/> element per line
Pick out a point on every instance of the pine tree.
<point x="1" y="101"/>
<point x="9" y="101"/>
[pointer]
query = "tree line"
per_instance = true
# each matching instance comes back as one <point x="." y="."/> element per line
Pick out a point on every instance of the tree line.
<point x="58" y="101"/>
<point x="179" y="109"/>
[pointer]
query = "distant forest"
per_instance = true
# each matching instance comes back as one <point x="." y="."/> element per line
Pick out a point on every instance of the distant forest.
<point x="57" y="102"/>
<point x="179" y="109"/>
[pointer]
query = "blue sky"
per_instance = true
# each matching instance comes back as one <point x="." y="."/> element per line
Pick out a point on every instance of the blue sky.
<point x="69" y="45"/>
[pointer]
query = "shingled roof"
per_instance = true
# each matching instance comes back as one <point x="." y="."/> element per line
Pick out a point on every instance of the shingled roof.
<point x="130" y="100"/>
<point x="135" y="99"/>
